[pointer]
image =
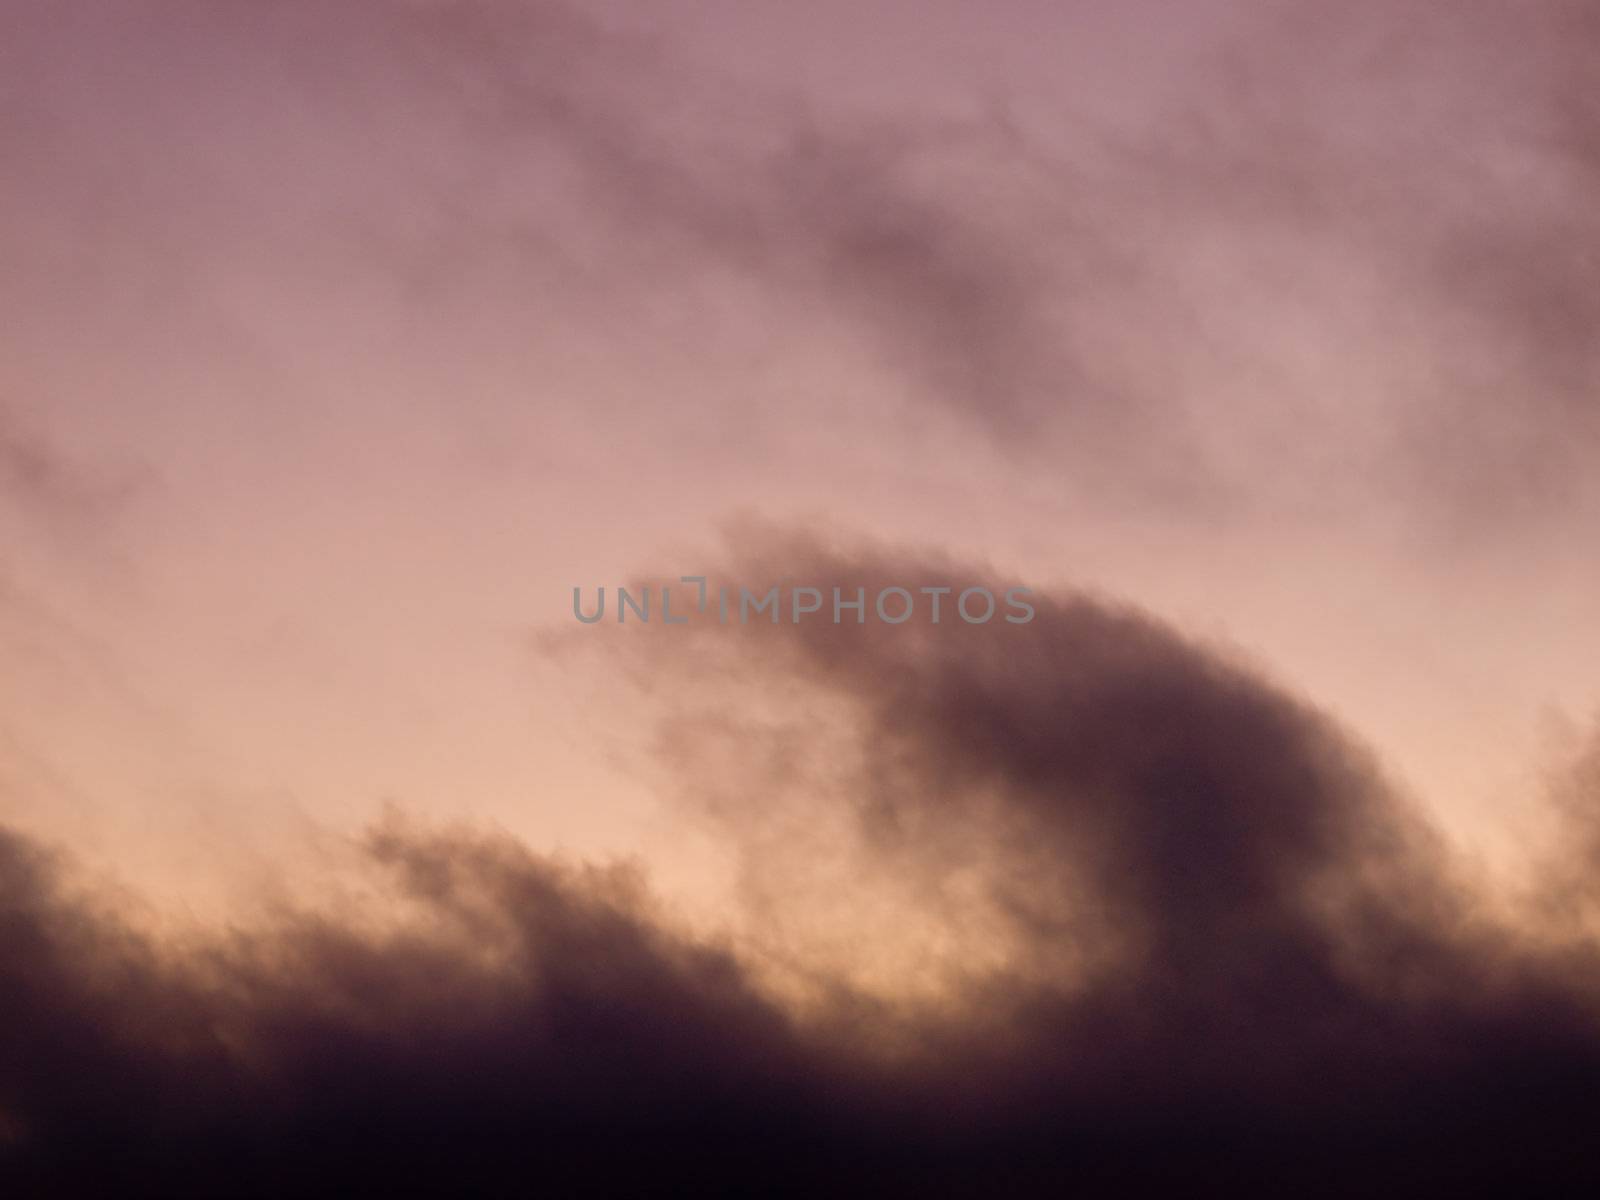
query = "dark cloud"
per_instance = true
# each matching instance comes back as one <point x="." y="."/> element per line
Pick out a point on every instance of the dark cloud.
<point x="542" y="1034"/>
<point x="1571" y="891"/>
<point x="1232" y="958"/>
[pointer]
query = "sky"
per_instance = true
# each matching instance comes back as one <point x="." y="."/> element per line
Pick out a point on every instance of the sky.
<point x="340" y="342"/>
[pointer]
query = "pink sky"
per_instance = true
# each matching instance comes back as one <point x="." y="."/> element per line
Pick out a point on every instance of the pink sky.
<point x="340" y="341"/>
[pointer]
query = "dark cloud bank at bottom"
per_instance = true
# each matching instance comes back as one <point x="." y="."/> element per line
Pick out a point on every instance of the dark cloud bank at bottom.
<point x="1292" y="989"/>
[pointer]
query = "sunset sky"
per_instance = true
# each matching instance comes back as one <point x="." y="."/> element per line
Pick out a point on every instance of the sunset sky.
<point x="341" y="340"/>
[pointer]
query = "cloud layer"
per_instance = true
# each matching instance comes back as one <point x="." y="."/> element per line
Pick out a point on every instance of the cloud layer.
<point x="1231" y="957"/>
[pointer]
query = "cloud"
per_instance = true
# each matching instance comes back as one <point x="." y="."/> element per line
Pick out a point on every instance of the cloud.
<point x="1350" y="259"/>
<point x="537" y="1030"/>
<point x="1417" y="183"/>
<point x="1346" y="264"/>
<point x="1229" y="954"/>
